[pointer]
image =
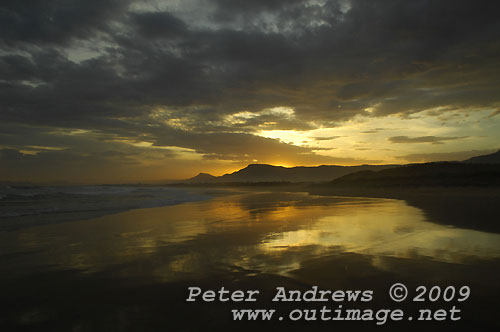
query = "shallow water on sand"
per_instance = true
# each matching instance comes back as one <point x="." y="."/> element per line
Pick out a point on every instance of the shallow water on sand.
<point x="261" y="232"/>
<point x="327" y="241"/>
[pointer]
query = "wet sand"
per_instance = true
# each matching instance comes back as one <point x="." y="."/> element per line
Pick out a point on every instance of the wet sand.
<point x="468" y="207"/>
<point x="130" y="271"/>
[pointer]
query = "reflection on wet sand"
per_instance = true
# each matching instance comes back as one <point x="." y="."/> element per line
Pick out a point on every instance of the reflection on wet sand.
<point x="257" y="232"/>
<point x="130" y="271"/>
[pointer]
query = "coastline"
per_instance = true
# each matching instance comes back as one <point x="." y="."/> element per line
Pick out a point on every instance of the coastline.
<point x="131" y="270"/>
<point x="472" y="207"/>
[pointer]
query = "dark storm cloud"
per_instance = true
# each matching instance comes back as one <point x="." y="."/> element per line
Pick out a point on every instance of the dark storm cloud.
<point x="290" y="16"/>
<point x="328" y="60"/>
<point x="423" y="139"/>
<point x="54" y="21"/>
<point x="243" y="6"/>
<point x="400" y="56"/>
<point x="159" y="25"/>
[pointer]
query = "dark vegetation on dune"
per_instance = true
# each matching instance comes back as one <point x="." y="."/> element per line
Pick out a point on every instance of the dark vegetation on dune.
<point x="430" y="174"/>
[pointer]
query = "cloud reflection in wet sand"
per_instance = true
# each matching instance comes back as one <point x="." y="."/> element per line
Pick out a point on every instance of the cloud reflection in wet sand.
<point x="256" y="232"/>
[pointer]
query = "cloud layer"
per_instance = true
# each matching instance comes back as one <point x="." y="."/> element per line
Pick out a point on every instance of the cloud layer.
<point x="139" y="77"/>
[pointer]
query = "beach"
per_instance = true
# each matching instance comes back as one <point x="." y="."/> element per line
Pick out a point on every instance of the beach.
<point x="131" y="270"/>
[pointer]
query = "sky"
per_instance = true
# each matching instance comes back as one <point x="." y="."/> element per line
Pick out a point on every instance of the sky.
<point x="111" y="91"/>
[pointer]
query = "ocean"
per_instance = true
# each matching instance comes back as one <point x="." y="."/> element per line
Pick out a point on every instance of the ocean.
<point x="27" y="206"/>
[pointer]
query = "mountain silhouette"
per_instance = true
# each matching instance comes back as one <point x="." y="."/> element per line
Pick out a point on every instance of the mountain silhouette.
<point x="201" y="178"/>
<point x="481" y="170"/>
<point x="493" y="158"/>
<point x="270" y="173"/>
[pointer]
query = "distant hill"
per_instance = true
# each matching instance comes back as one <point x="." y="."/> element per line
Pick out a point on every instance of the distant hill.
<point x="468" y="172"/>
<point x="429" y="174"/>
<point x="493" y="158"/>
<point x="201" y="178"/>
<point x="268" y="173"/>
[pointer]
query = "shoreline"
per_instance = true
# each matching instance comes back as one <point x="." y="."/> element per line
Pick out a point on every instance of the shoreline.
<point x="472" y="207"/>
<point x="475" y="208"/>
